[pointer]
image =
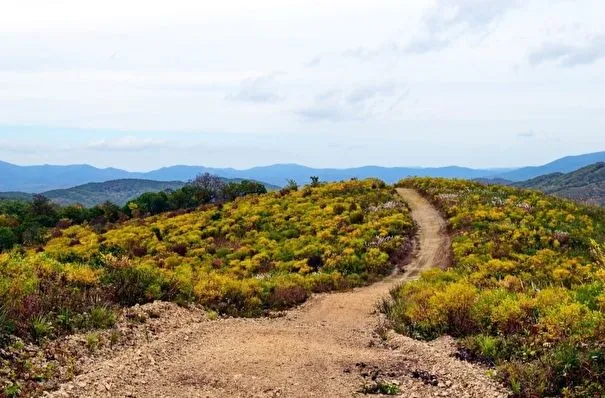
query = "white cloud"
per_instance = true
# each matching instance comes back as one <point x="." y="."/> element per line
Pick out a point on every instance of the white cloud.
<point x="128" y="143"/>
<point x="448" y="20"/>
<point x="260" y="89"/>
<point x="589" y="51"/>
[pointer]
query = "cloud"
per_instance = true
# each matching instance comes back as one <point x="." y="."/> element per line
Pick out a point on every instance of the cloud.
<point x="128" y="143"/>
<point x="569" y="55"/>
<point x="261" y="89"/>
<point x="526" y="134"/>
<point x="364" y="102"/>
<point x="361" y="53"/>
<point x="330" y="113"/>
<point x="366" y="93"/>
<point x="451" y="19"/>
<point x="314" y="62"/>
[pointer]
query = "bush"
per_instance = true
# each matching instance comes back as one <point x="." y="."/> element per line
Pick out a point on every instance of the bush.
<point x="101" y="318"/>
<point x="180" y="249"/>
<point x="41" y="328"/>
<point x="286" y="297"/>
<point x="356" y="217"/>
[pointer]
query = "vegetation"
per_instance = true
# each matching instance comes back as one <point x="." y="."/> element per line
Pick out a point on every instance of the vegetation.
<point x="586" y="185"/>
<point x="30" y="223"/>
<point x="526" y="289"/>
<point x="241" y="257"/>
<point x="118" y="192"/>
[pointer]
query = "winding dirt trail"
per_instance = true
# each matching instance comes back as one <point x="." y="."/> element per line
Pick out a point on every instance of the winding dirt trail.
<point x="325" y="348"/>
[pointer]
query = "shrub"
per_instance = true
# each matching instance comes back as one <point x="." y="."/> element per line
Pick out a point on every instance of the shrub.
<point x="101" y="318"/>
<point x="285" y="297"/>
<point x="356" y="217"/>
<point x="180" y="249"/>
<point x="315" y="262"/>
<point x="41" y="328"/>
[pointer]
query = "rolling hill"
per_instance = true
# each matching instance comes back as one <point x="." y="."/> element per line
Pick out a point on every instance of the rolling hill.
<point x="115" y="191"/>
<point x="586" y="185"/>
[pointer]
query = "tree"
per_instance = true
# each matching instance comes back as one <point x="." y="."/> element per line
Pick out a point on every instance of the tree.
<point x="292" y="185"/>
<point x="153" y="202"/>
<point x="314" y="181"/>
<point x="7" y="238"/>
<point x="211" y="184"/>
<point x="234" y="190"/>
<point x="42" y="211"/>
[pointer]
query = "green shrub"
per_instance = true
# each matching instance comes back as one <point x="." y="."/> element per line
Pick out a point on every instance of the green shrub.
<point x="356" y="217"/>
<point x="101" y="318"/>
<point x="41" y="328"/>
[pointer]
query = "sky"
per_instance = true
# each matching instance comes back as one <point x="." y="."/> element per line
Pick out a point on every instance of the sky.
<point x="238" y="83"/>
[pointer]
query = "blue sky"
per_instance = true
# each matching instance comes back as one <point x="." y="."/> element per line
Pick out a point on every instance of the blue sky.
<point x="144" y="84"/>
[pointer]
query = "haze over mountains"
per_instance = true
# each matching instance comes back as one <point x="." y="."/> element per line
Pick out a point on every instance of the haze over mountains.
<point x="42" y="178"/>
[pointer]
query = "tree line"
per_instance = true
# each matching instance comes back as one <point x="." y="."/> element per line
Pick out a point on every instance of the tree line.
<point x="28" y="222"/>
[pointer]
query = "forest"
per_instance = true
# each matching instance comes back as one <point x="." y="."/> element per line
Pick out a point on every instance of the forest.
<point x="526" y="290"/>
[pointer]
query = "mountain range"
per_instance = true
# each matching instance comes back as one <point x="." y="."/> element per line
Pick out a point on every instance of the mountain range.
<point x="42" y="178"/>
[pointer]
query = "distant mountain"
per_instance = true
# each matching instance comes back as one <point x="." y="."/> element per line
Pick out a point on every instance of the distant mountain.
<point x="44" y="178"/>
<point x="586" y="185"/>
<point x="278" y="174"/>
<point x="47" y="177"/>
<point x="563" y="165"/>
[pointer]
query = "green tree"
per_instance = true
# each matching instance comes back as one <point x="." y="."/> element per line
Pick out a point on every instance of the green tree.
<point x="7" y="238"/>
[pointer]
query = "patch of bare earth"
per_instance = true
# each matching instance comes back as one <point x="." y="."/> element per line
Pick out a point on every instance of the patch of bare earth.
<point x="326" y="348"/>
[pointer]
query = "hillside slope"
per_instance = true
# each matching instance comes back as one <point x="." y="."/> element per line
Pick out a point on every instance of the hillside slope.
<point x="586" y="185"/>
<point x="243" y="257"/>
<point x="525" y="290"/>
<point x="563" y="165"/>
<point x="115" y="191"/>
<point x="318" y="350"/>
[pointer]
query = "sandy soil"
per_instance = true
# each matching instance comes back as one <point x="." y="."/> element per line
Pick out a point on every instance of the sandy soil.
<point x="326" y="348"/>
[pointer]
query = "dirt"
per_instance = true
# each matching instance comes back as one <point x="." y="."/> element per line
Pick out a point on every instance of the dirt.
<point x="329" y="347"/>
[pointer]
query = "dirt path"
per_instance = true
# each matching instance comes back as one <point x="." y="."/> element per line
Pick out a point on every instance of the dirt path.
<point x="326" y="348"/>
